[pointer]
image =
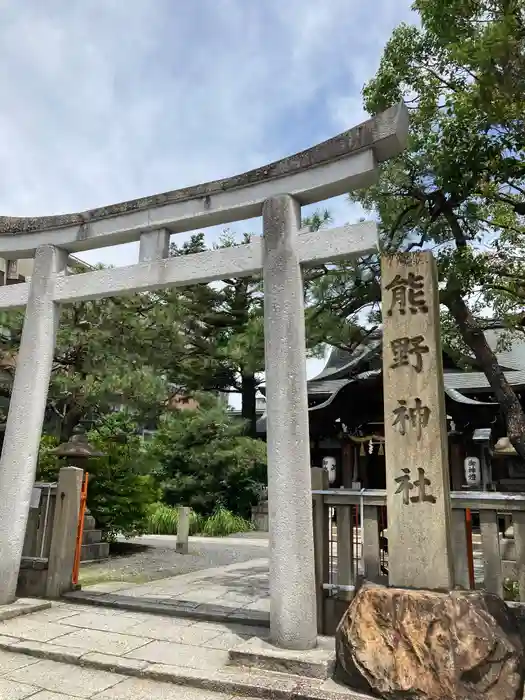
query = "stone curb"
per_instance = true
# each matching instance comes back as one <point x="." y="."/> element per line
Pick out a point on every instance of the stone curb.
<point x="182" y="609"/>
<point x="22" y="606"/>
<point x="258" y="654"/>
<point x="237" y="681"/>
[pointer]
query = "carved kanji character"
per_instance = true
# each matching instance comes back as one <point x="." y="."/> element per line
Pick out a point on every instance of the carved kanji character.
<point x="403" y="348"/>
<point x="407" y="291"/>
<point x="421" y="483"/>
<point x="405" y="485"/>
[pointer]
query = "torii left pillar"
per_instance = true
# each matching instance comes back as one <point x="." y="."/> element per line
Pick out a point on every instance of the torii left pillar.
<point x="26" y="414"/>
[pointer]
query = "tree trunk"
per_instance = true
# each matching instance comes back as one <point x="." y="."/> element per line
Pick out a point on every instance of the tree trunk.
<point x="249" y="403"/>
<point x="474" y="337"/>
<point x="70" y="421"/>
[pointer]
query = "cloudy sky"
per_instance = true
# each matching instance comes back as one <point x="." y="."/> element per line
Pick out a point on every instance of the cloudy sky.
<point x="107" y="100"/>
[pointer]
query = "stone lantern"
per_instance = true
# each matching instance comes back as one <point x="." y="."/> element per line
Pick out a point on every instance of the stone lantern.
<point x="77" y="450"/>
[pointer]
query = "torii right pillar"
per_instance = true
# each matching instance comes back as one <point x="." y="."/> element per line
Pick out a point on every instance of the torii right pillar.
<point x="417" y="469"/>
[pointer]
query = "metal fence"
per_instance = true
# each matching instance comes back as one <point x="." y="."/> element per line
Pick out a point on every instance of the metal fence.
<point x="40" y="521"/>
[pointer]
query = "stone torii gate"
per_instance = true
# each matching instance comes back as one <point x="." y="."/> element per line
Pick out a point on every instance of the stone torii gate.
<point x="277" y="191"/>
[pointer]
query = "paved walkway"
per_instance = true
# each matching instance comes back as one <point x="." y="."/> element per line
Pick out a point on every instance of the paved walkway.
<point x="23" y="676"/>
<point x="154" y="557"/>
<point x="235" y="592"/>
<point x="74" y="651"/>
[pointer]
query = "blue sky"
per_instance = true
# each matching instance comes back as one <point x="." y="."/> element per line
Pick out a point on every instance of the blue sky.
<point x="107" y="100"/>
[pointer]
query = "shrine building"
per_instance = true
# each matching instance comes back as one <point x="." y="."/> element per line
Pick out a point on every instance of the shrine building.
<point x="347" y="422"/>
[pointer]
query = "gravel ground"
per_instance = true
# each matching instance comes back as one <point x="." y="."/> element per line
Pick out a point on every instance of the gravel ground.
<point x="136" y="562"/>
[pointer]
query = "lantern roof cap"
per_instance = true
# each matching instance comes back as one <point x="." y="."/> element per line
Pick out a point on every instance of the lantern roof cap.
<point x="77" y="446"/>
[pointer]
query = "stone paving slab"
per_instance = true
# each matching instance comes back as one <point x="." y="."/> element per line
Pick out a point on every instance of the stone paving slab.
<point x="238" y="592"/>
<point x="198" y="659"/>
<point x="105" y="642"/>
<point x="22" y="606"/>
<point x="145" y="689"/>
<point x="10" y="690"/>
<point x="182" y="655"/>
<point x="32" y="628"/>
<point x="10" y="662"/>
<point x="58" y="677"/>
<point x="49" y="695"/>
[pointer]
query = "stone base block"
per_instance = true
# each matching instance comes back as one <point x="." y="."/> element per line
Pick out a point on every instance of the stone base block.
<point x="22" y="606"/>
<point x="313" y="663"/>
<point x="32" y="578"/>
<point x="400" y="643"/>
<point x="91" y="536"/>
<point x="94" y="552"/>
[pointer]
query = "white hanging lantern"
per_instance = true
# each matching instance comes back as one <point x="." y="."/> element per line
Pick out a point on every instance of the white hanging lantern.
<point x="472" y="471"/>
<point x="370" y="448"/>
<point x="329" y="465"/>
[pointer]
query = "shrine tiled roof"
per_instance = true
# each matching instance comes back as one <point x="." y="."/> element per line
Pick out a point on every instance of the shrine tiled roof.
<point x="344" y="368"/>
<point x="332" y="388"/>
<point x="342" y="364"/>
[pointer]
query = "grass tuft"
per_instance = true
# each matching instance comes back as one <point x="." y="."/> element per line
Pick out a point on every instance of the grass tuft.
<point x="163" y="520"/>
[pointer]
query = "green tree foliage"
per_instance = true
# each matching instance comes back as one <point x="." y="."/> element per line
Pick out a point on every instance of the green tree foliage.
<point x="121" y="488"/>
<point x="459" y="187"/>
<point x="224" y="332"/>
<point x="224" y="327"/>
<point x="206" y="461"/>
<point x="108" y="352"/>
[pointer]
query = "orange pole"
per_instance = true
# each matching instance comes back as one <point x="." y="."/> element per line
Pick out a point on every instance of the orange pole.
<point x="355" y="543"/>
<point x="80" y="529"/>
<point x="470" y="553"/>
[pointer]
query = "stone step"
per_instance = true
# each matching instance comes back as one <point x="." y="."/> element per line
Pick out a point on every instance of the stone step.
<point x="231" y="681"/>
<point x="91" y="536"/>
<point x="173" y="608"/>
<point x="92" y="552"/>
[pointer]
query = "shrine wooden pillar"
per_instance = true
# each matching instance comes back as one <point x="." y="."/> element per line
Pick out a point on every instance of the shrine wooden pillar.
<point x="347" y="463"/>
<point x="456" y="463"/>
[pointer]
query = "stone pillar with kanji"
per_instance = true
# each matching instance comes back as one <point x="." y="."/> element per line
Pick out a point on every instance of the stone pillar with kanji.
<point x="417" y="470"/>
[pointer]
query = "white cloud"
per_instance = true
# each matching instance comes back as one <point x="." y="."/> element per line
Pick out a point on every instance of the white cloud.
<point x="108" y="100"/>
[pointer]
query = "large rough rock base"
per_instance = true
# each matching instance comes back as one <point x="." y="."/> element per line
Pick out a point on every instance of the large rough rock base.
<point x="425" y="645"/>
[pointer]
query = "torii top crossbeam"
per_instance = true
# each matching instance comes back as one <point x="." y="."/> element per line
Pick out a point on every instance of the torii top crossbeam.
<point x="345" y="162"/>
<point x="334" y="167"/>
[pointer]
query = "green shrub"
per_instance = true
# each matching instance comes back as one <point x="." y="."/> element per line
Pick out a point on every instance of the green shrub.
<point x="162" y="520"/>
<point x="48" y="464"/>
<point x="121" y="488"/>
